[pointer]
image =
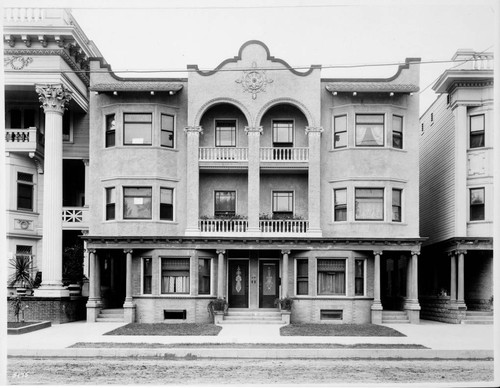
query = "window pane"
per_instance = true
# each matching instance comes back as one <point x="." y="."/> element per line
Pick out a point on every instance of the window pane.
<point x="147" y="273"/>
<point x="137" y="202"/>
<point x="340" y="196"/>
<point x="137" y="133"/>
<point x="110" y="139"/>
<point x="110" y="195"/>
<point x="166" y="195"/>
<point x="302" y="277"/>
<point x="397" y="140"/>
<point x="477" y="123"/>
<point x="203" y="276"/>
<point x="167" y="139"/>
<point x="24" y="196"/>
<point x="369" y="135"/>
<point x="359" y="277"/>
<point x="369" y="204"/>
<point x="137" y="117"/>
<point x="340" y="140"/>
<point x="225" y="133"/>
<point x="166" y="204"/>
<point x="225" y="202"/>
<point x="477" y="140"/>
<point x="397" y="123"/>
<point x="397" y="132"/>
<point x="340" y="132"/>
<point x="167" y="122"/>
<point x="283" y="132"/>
<point x="110" y="130"/>
<point x="477" y="212"/>
<point x="174" y="276"/>
<point x="331" y="276"/>
<point x="22" y="176"/>
<point x="372" y="119"/>
<point x="477" y="196"/>
<point x="396" y="197"/>
<point x="283" y="201"/>
<point x="110" y="211"/>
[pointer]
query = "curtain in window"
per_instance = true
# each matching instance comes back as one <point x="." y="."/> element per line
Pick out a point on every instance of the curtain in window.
<point x="369" y="204"/>
<point x="175" y="276"/>
<point x="331" y="283"/>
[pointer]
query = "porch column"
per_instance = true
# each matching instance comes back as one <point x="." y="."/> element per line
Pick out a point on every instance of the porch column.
<point x="461" y="124"/>
<point x="193" y="179"/>
<point x="284" y="275"/>
<point x="220" y="274"/>
<point x="128" y="306"/>
<point x="453" y="277"/>
<point x="86" y="188"/>
<point x="54" y="99"/>
<point x="460" y="279"/>
<point x="377" y="303"/>
<point x="93" y="303"/>
<point x="253" y="178"/>
<point x="412" y="306"/>
<point x="314" y="183"/>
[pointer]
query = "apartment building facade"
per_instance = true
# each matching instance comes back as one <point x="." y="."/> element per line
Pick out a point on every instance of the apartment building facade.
<point x="254" y="182"/>
<point x="456" y="192"/>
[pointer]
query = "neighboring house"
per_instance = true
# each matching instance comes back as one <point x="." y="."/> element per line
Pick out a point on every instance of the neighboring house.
<point x="456" y="193"/>
<point x="47" y="126"/>
<point x="251" y="182"/>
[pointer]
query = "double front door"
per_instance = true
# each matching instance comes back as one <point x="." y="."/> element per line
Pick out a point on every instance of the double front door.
<point x="253" y="283"/>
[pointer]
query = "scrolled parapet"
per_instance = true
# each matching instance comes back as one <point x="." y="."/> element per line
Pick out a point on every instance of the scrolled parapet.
<point x="54" y="98"/>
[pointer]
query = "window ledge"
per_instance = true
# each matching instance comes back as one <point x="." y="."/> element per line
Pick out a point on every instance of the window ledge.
<point x="479" y="222"/>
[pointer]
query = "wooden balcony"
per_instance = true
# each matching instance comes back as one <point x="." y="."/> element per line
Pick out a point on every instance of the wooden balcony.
<point x="75" y="218"/>
<point x="284" y="154"/>
<point x="223" y="226"/>
<point x="284" y="227"/>
<point x="271" y="228"/>
<point x="29" y="141"/>
<point x="225" y="157"/>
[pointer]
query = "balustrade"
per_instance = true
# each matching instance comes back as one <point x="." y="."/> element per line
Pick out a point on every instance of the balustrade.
<point x="283" y="226"/>
<point x="223" y="226"/>
<point x="214" y="154"/>
<point x="284" y="154"/>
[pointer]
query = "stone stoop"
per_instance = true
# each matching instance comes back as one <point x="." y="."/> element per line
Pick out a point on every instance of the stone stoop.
<point x="110" y="315"/>
<point x="478" y="318"/>
<point x="253" y="316"/>
<point x="391" y="317"/>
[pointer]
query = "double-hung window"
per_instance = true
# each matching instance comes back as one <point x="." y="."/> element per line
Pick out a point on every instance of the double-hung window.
<point x="369" y="204"/>
<point x="331" y="276"/>
<point x="24" y="191"/>
<point x="370" y="130"/>
<point x="166" y="204"/>
<point x="137" y="202"/>
<point x="282" y="133"/>
<point x="340" y="132"/>
<point x="340" y="204"/>
<point x="302" y="277"/>
<point x="110" y="131"/>
<point x="174" y="276"/>
<point x="477" y="204"/>
<point x="225" y="133"/>
<point x="137" y="128"/>
<point x="282" y="203"/>
<point x="476" y="131"/>
<point x="110" y="203"/>
<point x="147" y="275"/>
<point x="396" y="205"/>
<point x="167" y="131"/>
<point x="397" y="132"/>
<point x="225" y="203"/>
<point x="359" y="277"/>
<point x="204" y="269"/>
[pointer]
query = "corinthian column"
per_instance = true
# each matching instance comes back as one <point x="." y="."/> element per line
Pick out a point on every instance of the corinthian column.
<point x="54" y="99"/>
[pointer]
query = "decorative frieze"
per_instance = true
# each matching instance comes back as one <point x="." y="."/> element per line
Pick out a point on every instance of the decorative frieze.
<point x="318" y="130"/>
<point x="53" y="97"/>
<point x="254" y="130"/>
<point x="23" y="224"/>
<point x="254" y="81"/>
<point x="194" y="129"/>
<point x="17" y="62"/>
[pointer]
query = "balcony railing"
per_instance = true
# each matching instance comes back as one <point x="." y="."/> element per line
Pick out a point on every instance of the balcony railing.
<point x="283" y="226"/>
<point x="23" y="140"/>
<point x="221" y="154"/>
<point x="215" y="225"/>
<point x="24" y="14"/>
<point x="284" y="154"/>
<point x="75" y="217"/>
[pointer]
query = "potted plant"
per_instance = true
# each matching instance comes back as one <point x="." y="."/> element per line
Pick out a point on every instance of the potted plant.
<point x="217" y="308"/>
<point x="285" y="305"/>
<point x="22" y="276"/>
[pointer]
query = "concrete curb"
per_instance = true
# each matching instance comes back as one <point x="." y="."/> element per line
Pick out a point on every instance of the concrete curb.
<point x="270" y="353"/>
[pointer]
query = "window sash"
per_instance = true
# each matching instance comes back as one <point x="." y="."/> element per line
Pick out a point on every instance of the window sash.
<point x="340" y="204"/>
<point x="225" y="133"/>
<point x="167" y="131"/>
<point x="340" y="132"/>
<point x="204" y="276"/>
<point x="166" y="204"/>
<point x="369" y="204"/>
<point x="283" y="133"/>
<point x="302" y="277"/>
<point x="137" y="202"/>
<point x="137" y="128"/>
<point x="359" y="277"/>
<point x="110" y="131"/>
<point x="370" y="130"/>
<point x="175" y="276"/>
<point x="282" y="201"/>
<point x="397" y="132"/>
<point x="396" y="205"/>
<point x="225" y="203"/>
<point x="477" y="204"/>
<point x="147" y="271"/>
<point x="477" y="131"/>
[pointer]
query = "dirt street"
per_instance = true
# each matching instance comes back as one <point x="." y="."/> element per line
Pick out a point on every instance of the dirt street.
<point x="28" y="371"/>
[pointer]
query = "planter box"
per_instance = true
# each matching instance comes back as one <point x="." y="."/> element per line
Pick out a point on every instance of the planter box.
<point x="31" y="326"/>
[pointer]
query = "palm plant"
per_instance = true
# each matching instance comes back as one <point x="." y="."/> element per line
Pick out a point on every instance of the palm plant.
<point x="23" y="269"/>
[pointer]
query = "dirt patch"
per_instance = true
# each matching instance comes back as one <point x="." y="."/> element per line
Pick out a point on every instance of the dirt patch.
<point x="31" y="371"/>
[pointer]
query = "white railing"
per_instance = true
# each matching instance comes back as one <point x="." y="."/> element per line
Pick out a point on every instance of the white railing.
<point x="223" y="226"/>
<point x="217" y="154"/>
<point x="24" y="14"/>
<point x="283" y="226"/>
<point x="284" y="154"/>
<point x="23" y="139"/>
<point x="74" y="217"/>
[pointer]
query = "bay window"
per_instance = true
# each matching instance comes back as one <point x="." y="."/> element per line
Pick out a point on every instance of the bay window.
<point x="370" y="130"/>
<point x="137" y="202"/>
<point x="137" y="128"/>
<point x="331" y="276"/>
<point x="369" y="204"/>
<point x="174" y="276"/>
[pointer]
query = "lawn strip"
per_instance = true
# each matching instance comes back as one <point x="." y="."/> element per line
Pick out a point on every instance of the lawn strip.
<point x="167" y="329"/>
<point x="340" y="330"/>
<point x="145" y="345"/>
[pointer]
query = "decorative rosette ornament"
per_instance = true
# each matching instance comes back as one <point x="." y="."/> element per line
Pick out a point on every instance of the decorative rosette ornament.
<point x="53" y="97"/>
<point x="254" y="81"/>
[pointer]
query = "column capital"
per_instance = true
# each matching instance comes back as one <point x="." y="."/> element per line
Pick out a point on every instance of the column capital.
<point x="317" y="130"/>
<point x="415" y="253"/>
<point x="378" y="253"/>
<point x="220" y="251"/>
<point x="254" y="130"/>
<point x="457" y="252"/>
<point x="54" y="97"/>
<point x="194" y="129"/>
<point x="91" y="250"/>
<point x="85" y="162"/>
<point x="285" y="252"/>
<point x="128" y="251"/>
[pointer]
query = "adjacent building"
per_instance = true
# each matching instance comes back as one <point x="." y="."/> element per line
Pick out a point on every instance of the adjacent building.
<point x="456" y="193"/>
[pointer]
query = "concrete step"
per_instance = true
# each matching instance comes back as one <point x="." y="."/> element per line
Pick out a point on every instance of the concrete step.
<point x="98" y="319"/>
<point x="252" y="318"/>
<point x="479" y="313"/>
<point x="479" y="317"/>
<point x="251" y="321"/>
<point x="110" y="315"/>
<point x="468" y="322"/>
<point x="395" y="321"/>
<point x="391" y="317"/>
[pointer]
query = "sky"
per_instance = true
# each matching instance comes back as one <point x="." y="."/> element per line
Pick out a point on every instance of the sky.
<point x="169" y="35"/>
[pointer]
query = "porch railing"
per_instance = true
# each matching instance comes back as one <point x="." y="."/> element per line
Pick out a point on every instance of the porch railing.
<point x="74" y="217"/>
<point x="284" y="154"/>
<point x="24" y="14"/>
<point x="23" y="139"/>
<point x="223" y="226"/>
<point x="220" y="154"/>
<point x="283" y="226"/>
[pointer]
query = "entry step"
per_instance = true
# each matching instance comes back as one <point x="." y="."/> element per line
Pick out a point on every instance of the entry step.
<point x="478" y="318"/>
<point x="391" y="317"/>
<point x="110" y="315"/>
<point x="253" y="316"/>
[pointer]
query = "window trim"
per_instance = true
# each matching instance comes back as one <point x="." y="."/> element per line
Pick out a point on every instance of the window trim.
<point x="383" y="203"/>
<point x="123" y="201"/>
<point x="235" y="132"/>
<point x="346" y="204"/>
<point x="483" y="188"/>
<point x="364" y="260"/>
<point x="291" y="120"/>
<point x="296" y="272"/>
<point x="142" y="275"/>
<point x="132" y="122"/>
<point x="346" y="131"/>
<point x="393" y="189"/>
<point x="160" y="274"/>
<point x="346" y="276"/>
<point x="356" y="129"/>
<point x="164" y="130"/>
<point x="106" y="203"/>
<point x="25" y="183"/>
<point x="211" y="260"/>
<point x="111" y="130"/>
<point x="398" y="132"/>
<point x="160" y="203"/>
<point x="283" y="191"/>
<point x="482" y="132"/>
<point x="235" y="200"/>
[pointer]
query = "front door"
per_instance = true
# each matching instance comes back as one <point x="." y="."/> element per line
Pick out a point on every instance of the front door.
<point x="238" y="283"/>
<point x="268" y="283"/>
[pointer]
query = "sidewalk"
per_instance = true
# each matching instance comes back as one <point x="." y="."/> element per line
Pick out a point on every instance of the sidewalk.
<point x="443" y="340"/>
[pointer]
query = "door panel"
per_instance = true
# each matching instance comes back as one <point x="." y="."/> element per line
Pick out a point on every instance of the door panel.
<point x="238" y="283"/>
<point x="268" y="283"/>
